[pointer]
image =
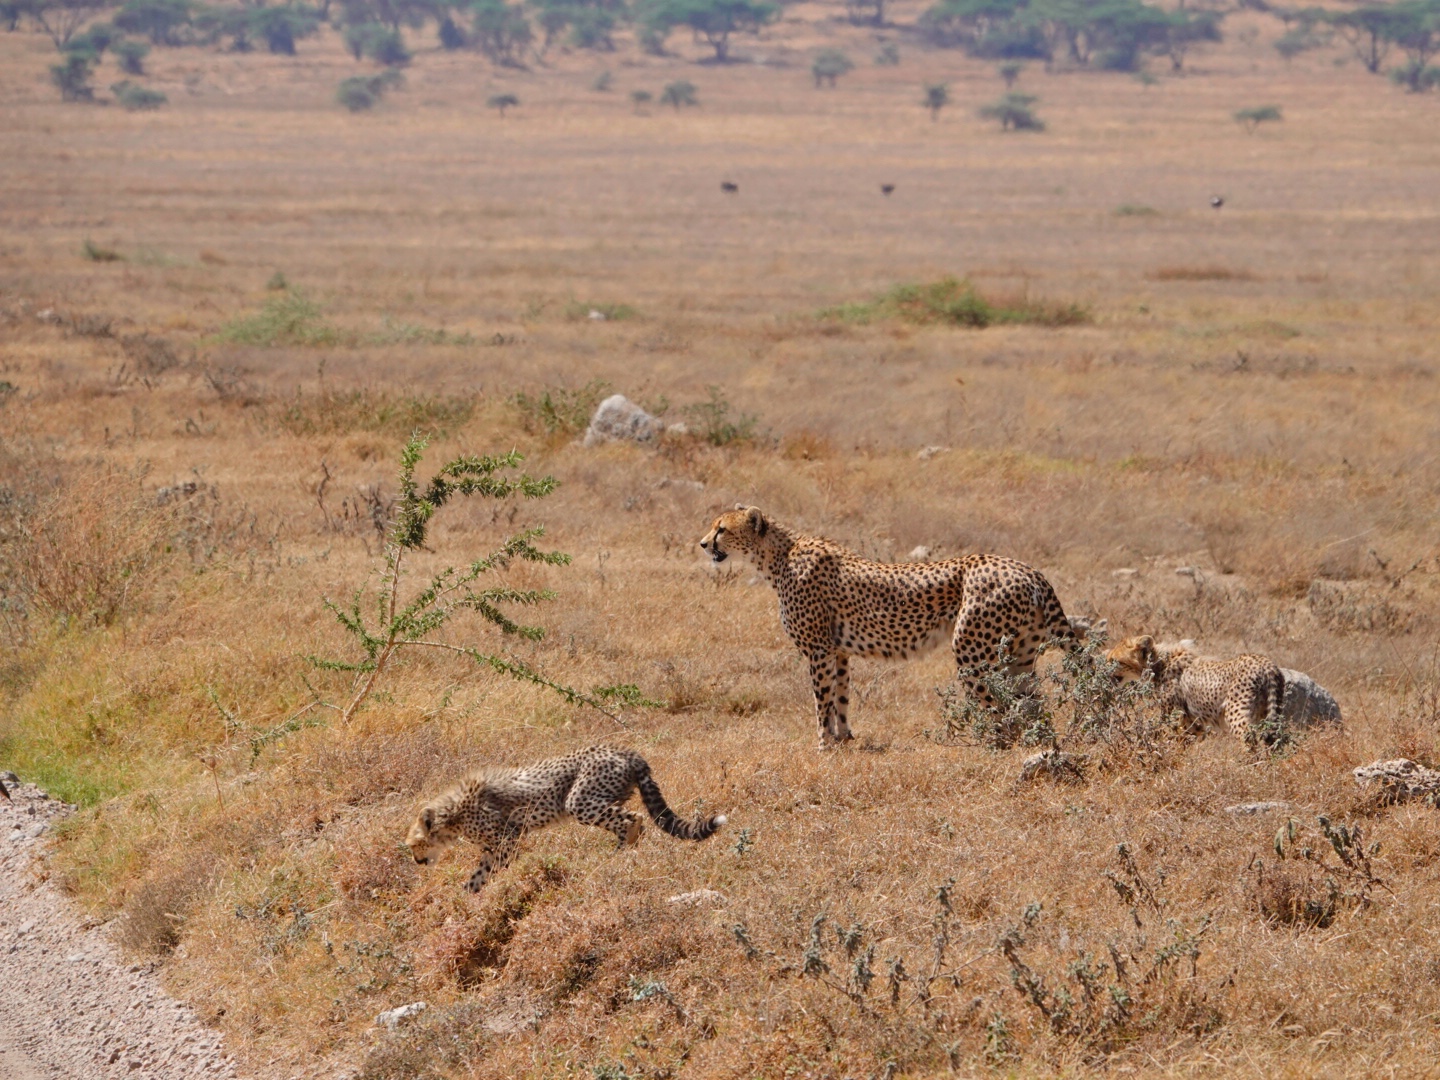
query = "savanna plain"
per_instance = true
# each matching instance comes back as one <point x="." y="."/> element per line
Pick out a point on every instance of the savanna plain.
<point x="200" y="441"/>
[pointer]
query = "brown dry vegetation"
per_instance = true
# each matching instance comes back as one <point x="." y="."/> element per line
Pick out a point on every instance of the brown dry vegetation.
<point x="1256" y="398"/>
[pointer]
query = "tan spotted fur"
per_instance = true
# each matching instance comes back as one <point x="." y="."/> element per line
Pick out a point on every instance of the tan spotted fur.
<point x="493" y="808"/>
<point x="835" y="604"/>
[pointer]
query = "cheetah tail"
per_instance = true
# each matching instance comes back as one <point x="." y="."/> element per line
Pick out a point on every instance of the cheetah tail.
<point x="665" y="818"/>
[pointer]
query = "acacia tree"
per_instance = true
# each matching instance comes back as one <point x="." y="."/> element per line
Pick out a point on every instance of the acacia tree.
<point x="62" y="19"/>
<point x="937" y="96"/>
<point x="402" y="623"/>
<point x="501" y="32"/>
<point x="712" y="21"/>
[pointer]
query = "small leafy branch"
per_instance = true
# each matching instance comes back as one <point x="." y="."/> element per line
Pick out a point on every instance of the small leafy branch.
<point x="1304" y="888"/>
<point x="913" y="1002"/>
<point x="408" y="623"/>
<point x="1143" y="987"/>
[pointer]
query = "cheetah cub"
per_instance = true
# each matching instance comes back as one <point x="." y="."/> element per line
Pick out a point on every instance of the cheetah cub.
<point x="1244" y="694"/>
<point x="495" y="807"/>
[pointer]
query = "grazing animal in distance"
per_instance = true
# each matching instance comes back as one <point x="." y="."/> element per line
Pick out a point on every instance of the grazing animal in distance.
<point x="729" y="188"/>
<point x="997" y="613"/>
<point x="1217" y="201"/>
<point x="887" y="189"/>
<point x="495" y="807"/>
<point x="1245" y="694"/>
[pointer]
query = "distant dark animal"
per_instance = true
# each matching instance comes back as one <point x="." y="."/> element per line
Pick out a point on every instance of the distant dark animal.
<point x="886" y="189"/>
<point x="728" y="188"/>
<point x="1217" y="201"/>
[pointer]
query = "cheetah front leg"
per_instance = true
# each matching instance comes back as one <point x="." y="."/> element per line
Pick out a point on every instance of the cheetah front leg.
<point x="495" y="859"/>
<point x="823" y="684"/>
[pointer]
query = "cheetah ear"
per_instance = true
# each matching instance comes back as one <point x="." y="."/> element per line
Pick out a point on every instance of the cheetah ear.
<point x="1146" y="647"/>
<point x="757" y="520"/>
<point x="427" y="819"/>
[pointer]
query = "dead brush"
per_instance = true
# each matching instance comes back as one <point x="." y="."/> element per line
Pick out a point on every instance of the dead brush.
<point x="153" y="917"/>
<point x="913" y="1005"/>
<point x="1019" y="717"/>
<point x="1303" y="888"/>
<point x="86" y="548"/>
<point x="1144" y="988"/>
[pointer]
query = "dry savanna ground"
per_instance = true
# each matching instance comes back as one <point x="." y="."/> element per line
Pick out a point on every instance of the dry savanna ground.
<point x="1254" y="397"/>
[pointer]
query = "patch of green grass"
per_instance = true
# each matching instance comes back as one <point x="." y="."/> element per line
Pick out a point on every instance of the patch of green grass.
<point x="559" y="411"/>
<point x="289" y="319"/>
<point x="95" y="253"/>
<point x="1136" y="210"/>
<point x="401" y="333"/>
<point x="956" y="302"/>
<point x="336" y="412"/>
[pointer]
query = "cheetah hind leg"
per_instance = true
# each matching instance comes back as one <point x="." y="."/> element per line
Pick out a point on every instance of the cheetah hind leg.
<point x="823" y="684"/>
<point x="841" y="711"/>
<point x="625" y="824"/>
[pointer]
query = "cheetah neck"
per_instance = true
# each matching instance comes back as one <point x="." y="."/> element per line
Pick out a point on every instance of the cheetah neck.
<point x="770" y="557"/>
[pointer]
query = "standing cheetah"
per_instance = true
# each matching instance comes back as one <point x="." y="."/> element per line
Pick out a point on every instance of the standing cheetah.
<point x="835" y="604"/>
<point x="495" y="807"/>
<point x="1246" y="693"/>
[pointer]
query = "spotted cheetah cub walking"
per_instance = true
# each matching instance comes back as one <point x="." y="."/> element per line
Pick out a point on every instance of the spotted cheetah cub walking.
<point x="1245" y="694"/>
<point x="835" y="604"/>
<point x="495" y="807"/>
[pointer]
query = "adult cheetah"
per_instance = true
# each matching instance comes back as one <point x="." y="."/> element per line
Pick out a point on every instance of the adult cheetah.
<point x="1245" y="693"/>
<point x="835" y="604"/>
<point x="495" y="807"/>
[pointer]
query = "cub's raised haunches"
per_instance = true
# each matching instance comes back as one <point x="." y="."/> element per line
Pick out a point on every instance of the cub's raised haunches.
<point x="495" y="807"/>
<point x="1245" y="693"/>
<point x="835" y="604"/>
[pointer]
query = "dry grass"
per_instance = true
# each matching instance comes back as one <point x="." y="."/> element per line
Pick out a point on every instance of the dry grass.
<point x="1259" y="410"/>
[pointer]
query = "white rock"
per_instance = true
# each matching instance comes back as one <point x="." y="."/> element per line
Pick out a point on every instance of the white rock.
<point x="393" y="1018"/>
<point x="1249" y="809"/>
<point x="932" y="451"/>
<point x="919" y="554"/>
<point x="1054" y="765"/>
<point x="698" y="897"/>
<point x="1125" y="572"/>
<point x="596" y="316"/>
<point x="678" y="430"/>
<point x="1186" y="571"/>
<point x="619" y="418"/>
<point x="1400" y="779"/>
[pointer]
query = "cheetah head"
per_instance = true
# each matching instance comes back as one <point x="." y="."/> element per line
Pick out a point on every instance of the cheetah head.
<point x="1134" y="658"/>
<point x="427" y="836"/>
<point x="741" y="529"/>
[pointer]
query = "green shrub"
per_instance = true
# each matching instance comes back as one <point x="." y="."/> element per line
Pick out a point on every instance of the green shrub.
<point x="1135" y="210"/>
<point x="829" y="65"/>
<point x="603" y="83"/>
<point x="377" y="41"/>
<point x="361" y="92"/>
<point x="1010" y="72"/>
<point x="1013" y="112"/>
<point x="679" y="94"/>
<point x="95" y="253"/>
<point x="289" y="319"/>
<point x="712" y="420"/>
<point x="888" y="55"/>
<point x="1253" y="118"/>
<point x="501" y="102"/>
<point x="1415" y="77"/>
<point x="451" y="36"/>
<point x="131" y="55"/>
<point x="72" y="76"/>
<point x="137" y="98"/>
<point x="954" y="301"/>
<point x="640" y="98"/>
<point x="162" y="21"/>
<point x="937" y="96"/>
<point x="559" y="411"/>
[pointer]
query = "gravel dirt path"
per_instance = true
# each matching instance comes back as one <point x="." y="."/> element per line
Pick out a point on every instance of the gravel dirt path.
<point x="71" y="1006"/>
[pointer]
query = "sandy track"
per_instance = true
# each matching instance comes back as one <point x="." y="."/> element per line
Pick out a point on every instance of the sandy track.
<point x="71" y="1006"/>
